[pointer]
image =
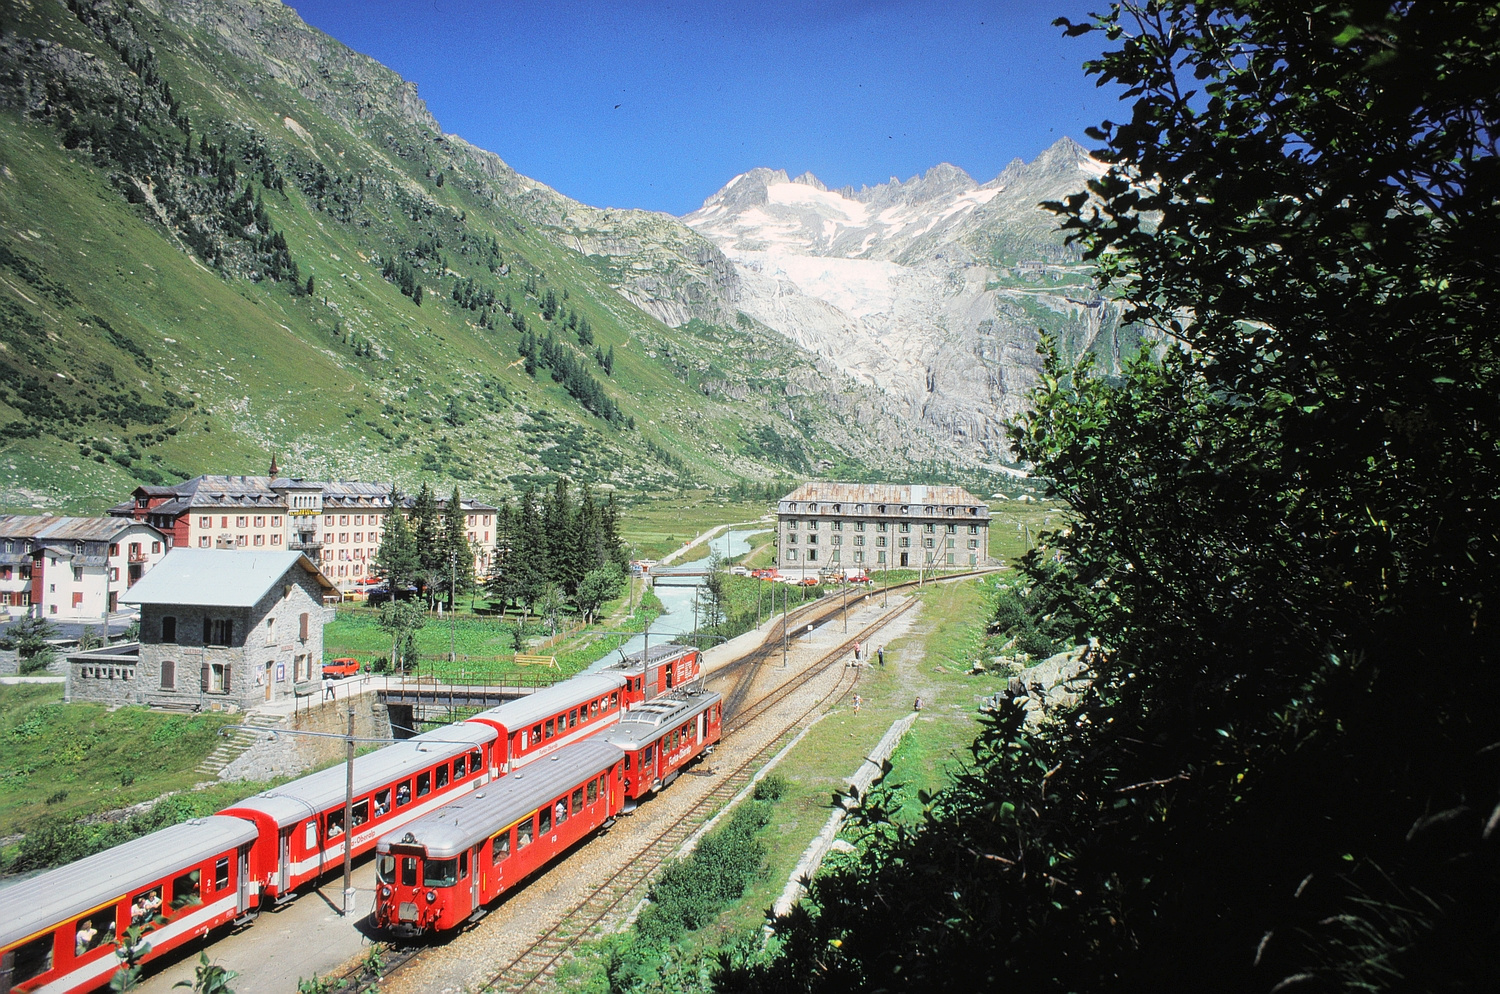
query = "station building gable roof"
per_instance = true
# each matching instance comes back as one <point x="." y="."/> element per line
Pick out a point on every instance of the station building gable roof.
<point x="218" y="577"/>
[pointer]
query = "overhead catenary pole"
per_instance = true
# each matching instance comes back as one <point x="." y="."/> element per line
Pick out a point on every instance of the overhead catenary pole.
<point x="349" y="815"/>
<point x="452" y="607"/>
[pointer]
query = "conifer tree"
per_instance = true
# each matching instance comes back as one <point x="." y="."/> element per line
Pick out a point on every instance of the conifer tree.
<point x="456" y="557"/>
<point x="396" y="560"/>
<point x="424" y="528"/>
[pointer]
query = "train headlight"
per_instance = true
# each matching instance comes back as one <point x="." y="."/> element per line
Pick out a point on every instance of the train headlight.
<point x="385" y="892"/>
<point x="431" y="896"/>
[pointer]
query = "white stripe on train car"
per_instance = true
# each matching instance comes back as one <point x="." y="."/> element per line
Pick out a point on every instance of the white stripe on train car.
<point x="583" y="732"/>
<point x="335" y="853"/>
<point x="100" y="969"/>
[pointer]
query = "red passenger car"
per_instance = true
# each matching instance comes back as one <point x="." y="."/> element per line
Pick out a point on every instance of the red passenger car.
<point x="663" y="735"/>
<point x="440" y="871"/>
<point x="59" y="930"/>
<point x="542" y="723"/>
<point x="657" y="669"/>
<point x="301" y="824"/>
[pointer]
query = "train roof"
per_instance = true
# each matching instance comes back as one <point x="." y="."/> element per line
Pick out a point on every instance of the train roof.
<point x="651" y="654"/>
<point x="320" y="791"/>
<point x="458" y="825"/>
<point x="57" y="895"/>
<point x="645" y="722"/>
<point x="544" y="704"/>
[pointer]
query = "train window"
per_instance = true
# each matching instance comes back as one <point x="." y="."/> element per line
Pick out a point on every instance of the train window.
<point x="91" y="933"/>
<point x="550" y="728"/>
<point x="614" y="699"/>
<point x="385" y="868"/>
<point x="578" y="799"/>
<point x="442" y="776"/>
<point x="572" y="717"/>
<point x="221" y="873"/>
<point x="523" y="834"/>
<point x="408" y="871"/>
<point x="544" y="821"/>
<point x="627" y="760"/>
<point x="594" y="709"/>
<point x="145" y="907"/>
<point x="536" y="734"/>
<point x="560" y="810"/>
<point x="361" y="812"/>
<point x="460" y="770"/>
<point x="403" y="793"/>
<point x="424" y="784"/>
<point x="32" y="959"/>
<point x="646" y="756"/>
<point x="593" y="791"/>
<point x="500" y="846"/>
<point x="310" y="835"/>
<point x="335" y="825"/>
<point x="187" y="889"/>
<point x="439" y="872"/>
<point x="463" y="866"/>
<point x="476" y="761"/>
<point x="520" y="742"/>
<point x="382" y="802"/>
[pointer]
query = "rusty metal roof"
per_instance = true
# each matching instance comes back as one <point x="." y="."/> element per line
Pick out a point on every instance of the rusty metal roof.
<point x="883" y="493"/>
<point x="52" y="528"/>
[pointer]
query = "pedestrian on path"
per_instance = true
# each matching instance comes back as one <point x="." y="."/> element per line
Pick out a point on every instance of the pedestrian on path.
<point x="328" y="693"/>
<point x="880" y="654"/>
<point x="856" y="703"/>
<point x="856" y="652"/>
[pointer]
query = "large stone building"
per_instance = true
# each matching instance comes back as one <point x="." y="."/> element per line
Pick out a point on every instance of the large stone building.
<point x="72" y="569"/>
<point x="848" y="526"/>
<point x="220" y="630"/>
<point x="337" y="524"/>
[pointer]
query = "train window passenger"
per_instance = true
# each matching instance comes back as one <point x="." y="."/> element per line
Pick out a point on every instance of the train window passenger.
<point x="145" y="907"/>
<point x="361" y="812"/>
<point x="500" y="846"/>
<point x="94" y="932"/>
<point x="32" y="959"/>
<point x="593" y="791"/>
<point x="460" y="769"/>
<point x="408" y="871"/>
<point x="442" y="776"/>
<point x="550" y="728"/>
<point x="578" y="799"/>
<point x="403" y="793"/>
<point x="594" y="709"/>
<point x="186" y="890"/>
<point x="476" y="761"/>
<point x="572" y="717"/>
<point x="335" y="824"/>
<point x="439" y="872"/>
<point x="523" y="834"/>
<point x="385" y="869"/>
<point x="627" y="760"/>
<point x="382" y="802"/>
<point x="614" y="699"/>
<point x="544" y="821"/>
<point x="536" y="734"/>
<point x="221" y="873"/>
<point x="560" y="810"/>
<point x="424" y="784"/>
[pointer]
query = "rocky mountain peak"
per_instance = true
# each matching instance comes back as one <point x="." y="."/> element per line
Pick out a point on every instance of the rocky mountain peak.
<point x="808" y="179"/>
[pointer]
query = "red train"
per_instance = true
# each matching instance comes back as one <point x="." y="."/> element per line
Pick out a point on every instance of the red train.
<point x="662" y="736"/>
<point x="59" y="930"/>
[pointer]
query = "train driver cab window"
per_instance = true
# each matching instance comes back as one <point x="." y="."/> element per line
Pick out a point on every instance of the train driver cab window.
<point x="572" y="717"/>
<point x="31" y="960"/>
<point x="578" y="799"/>
<point x="335" y="824"/>
<point x="544" y="820"/>
<point x="460" y="768"/>
<point x="593" y="791"/>
<point x="91" y="933"/>
<point x="408" y="871"/>
<point x="403" y="793"/>
<point x="463" y="865"/>
<point x="361" y="812"/>
<point x="385" y="868"/>
<point x="221" y="873"/>
<point x="424" y="784"/>
<point x="439" y="872"/>
<point x="442" y="776"/>
<point x="646" y="756"/>
<point x="382" y="802"/>
<point x="500" y="846"/>
<point x="186" y="890"/>
<point x="550" y="728"/>
<point x="523" y="834"/>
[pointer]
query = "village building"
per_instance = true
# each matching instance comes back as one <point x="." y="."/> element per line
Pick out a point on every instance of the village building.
<point x="864" y="526"/>
<point x="68" y="569"/>
<point x="337" y="524"/>
<point x="221" y="629"/>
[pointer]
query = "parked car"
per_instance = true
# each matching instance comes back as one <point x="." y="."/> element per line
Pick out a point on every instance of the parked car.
<point x="341" y="667"/>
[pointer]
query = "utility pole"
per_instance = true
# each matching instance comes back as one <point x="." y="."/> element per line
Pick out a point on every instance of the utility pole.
<point x="452" y="605"/>
<point x="349" y="816"/>
<point x="846" y="602"/>
<point x="784" y="593"/>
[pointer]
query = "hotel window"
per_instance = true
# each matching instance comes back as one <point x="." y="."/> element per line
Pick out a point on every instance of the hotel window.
<point x="204" y="542"/>
<point x="224" y="521"/>
<point x="880" y="541"/>
<point x="880" y="556"/>
<point x="155" y="548"/>
<point x="239" y="522"/>
<point x="905" y="526"/>
<point x="343" y="519"/>
<point x="205" y="522"/>
<point x="327" y="521"/>
<point x="812" y="539"/>
<point x="260" y="521"/>
<point x="973" y="529"/>
<point x="359" y="536"/>
<point x="275" y="539"/>
<point x="859" y="557"/>
<point x="77" y="574"/>
<point x="239" y="540"/>
<point x="791" y="538"/>
<point x="859" y="526"/>
<point x="344" y="537"/>
<point x="973" y="543"/>
<point x="837" y="540"/>
<point x="837" y="526"/>
<point x="952" y="529"/>
<point x="927" y="543"/>
<point x="260" y="540"/>
<point x="906" y="543"/>
<point x="950" y="543"/>
<point x="929" y="528"/>
<point x="859" y="540"/>
<point x="835" y="555"/>
<point x="275" y="521"/>
<point x="881" y="526"/>
<point x="791" y="555"/>
<point x="359" y="519"/>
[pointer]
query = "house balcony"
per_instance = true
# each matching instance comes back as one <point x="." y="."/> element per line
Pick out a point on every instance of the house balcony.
<point x="309" y="546"/>
<point x="136" y="557"/>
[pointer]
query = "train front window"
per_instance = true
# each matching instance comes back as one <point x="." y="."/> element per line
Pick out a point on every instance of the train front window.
<point x="32" y="959"/>
<point x="424" y="784"/>
<point x="439" y="872"/>
<point x="186" y="889"/>
<point x="385" y="868"/>
<point x="408" y="871"/>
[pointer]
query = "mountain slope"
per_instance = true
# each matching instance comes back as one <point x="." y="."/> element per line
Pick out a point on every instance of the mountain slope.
<point x="933" y="290"/>
<point x="175" y="178"/>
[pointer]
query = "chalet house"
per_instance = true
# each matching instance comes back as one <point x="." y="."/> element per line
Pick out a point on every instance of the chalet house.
<point x="72" y="569"/>
<point x="221" y="629"/>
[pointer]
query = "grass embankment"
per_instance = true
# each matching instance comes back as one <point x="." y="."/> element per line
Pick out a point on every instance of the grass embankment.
<point x="653" y="529"/>
<point x="931" y="661"/>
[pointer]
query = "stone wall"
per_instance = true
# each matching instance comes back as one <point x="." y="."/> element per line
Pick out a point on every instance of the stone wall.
<point x="284" y="755"/>
<point x="104" y="676"/>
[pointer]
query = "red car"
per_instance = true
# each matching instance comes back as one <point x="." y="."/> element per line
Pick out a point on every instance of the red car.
<point x="340" y="668"/>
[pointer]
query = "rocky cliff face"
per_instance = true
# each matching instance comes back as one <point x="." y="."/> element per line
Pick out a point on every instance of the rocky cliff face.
<point x="934" y="289"/>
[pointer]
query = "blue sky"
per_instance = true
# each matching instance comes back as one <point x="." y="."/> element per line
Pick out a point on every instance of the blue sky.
<point x="657" y="105"/>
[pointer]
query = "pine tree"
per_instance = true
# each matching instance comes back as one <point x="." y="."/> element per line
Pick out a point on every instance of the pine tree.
<point x="396" y="560"/>
<point x="456" y="557"/>
<point x="424" y="528"/>
<point x="495" y="582"/>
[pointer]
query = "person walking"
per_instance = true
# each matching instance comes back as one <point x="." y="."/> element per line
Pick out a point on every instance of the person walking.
<point x="856" y="652"/>
<point x="328" y="693"/>
<point x="880" y="654"/>
<point x="857" y="703"/>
